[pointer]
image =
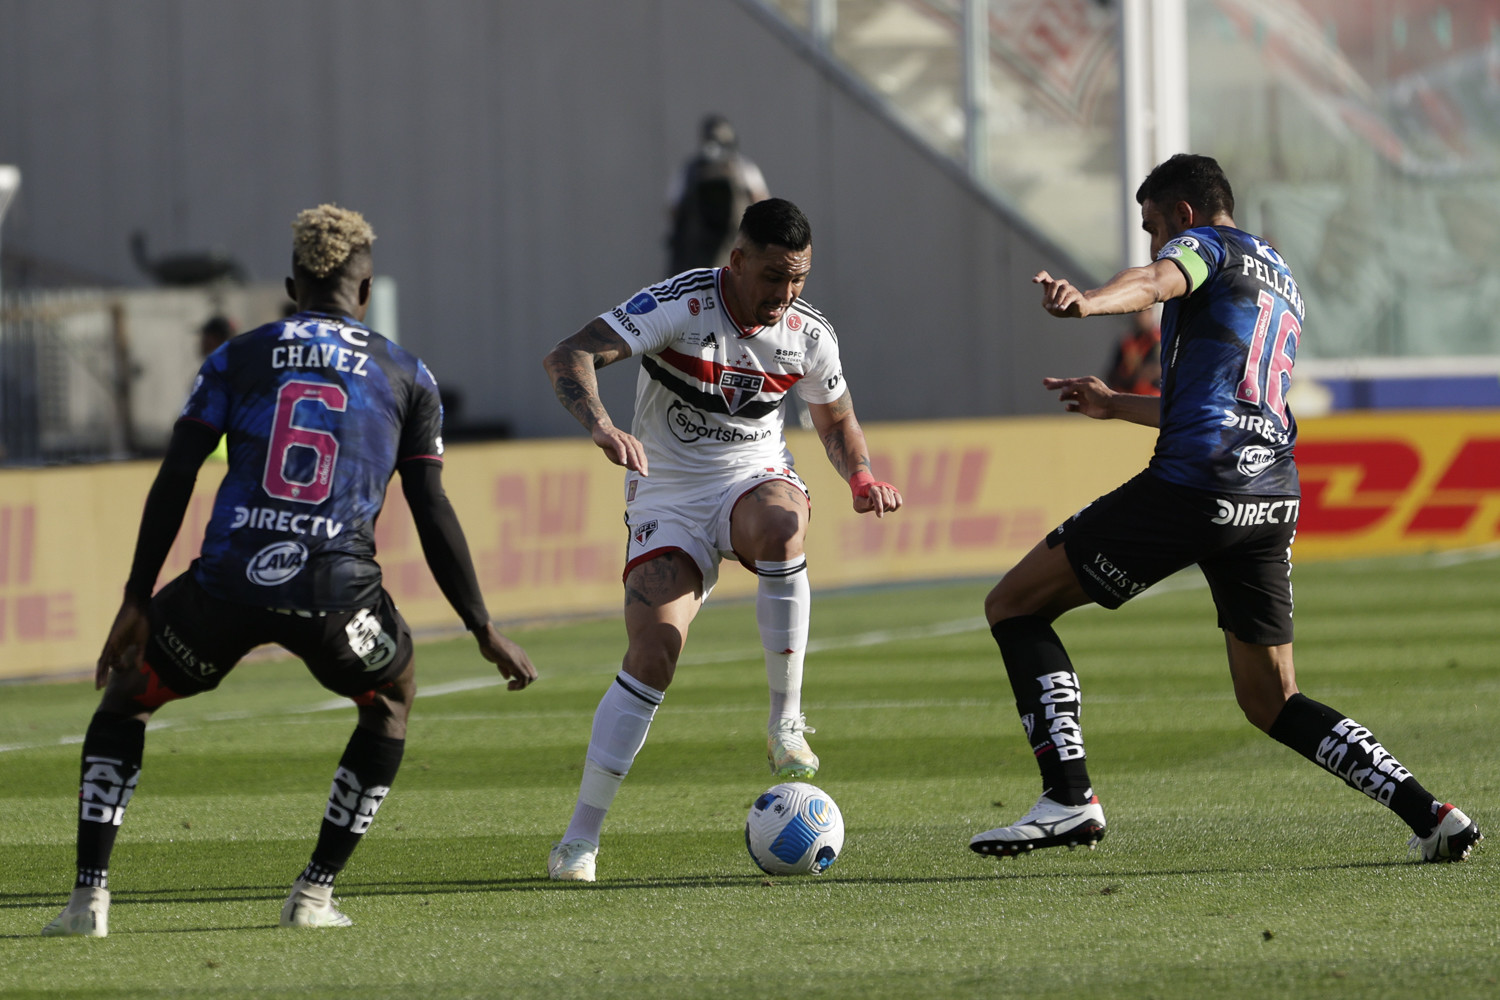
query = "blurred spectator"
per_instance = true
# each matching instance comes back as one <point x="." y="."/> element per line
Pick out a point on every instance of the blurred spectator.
<point x="708" y="196"/>
<point x="1136" y="367"/>
<point x="214" y="332"/>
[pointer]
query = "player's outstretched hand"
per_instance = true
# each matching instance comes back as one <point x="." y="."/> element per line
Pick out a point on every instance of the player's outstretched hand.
<point x="1059" y="297"/>
<point x="621" y="448"/>
<point x="126" y="644"/>
<point x="1087" y="395"/>
<point x="870" y="494"/>
<point x="507" y="655"/>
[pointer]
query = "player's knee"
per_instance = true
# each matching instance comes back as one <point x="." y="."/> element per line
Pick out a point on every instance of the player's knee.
<point x="385" y="710"/>
<point x="780" y="536"/>
<point x="652" y="663"/>
<point x="1005" y="601"/>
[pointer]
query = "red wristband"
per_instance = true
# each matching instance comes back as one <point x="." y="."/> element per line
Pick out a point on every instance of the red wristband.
<point x="861" y="482"/>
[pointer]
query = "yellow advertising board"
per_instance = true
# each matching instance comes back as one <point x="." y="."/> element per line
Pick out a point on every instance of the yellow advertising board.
<point x="544" y="518"/>
<point x="1389" y="483"/>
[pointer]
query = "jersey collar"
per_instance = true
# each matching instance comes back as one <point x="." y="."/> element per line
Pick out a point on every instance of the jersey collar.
<point x="740" y="331"/>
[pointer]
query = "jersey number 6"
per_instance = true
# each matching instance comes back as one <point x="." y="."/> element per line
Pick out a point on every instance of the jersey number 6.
<point x="286" y="434"/>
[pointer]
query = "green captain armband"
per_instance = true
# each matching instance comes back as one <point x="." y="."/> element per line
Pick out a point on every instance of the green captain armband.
<point x="1184" y="252"/>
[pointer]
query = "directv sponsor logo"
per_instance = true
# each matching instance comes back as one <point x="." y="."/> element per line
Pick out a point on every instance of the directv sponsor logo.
<point x="271" y="519"/>
<point x="690" y="427"/>
<point x="1241" y="513"/>
<point x="1255" y="459"/>
<point x="1255" y="424"/>
<point x="276" y="563"/>
<point x="641" y="304"/>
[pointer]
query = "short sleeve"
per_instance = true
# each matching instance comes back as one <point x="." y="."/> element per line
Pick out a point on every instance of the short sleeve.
<point x="422" y="433"/>
<point x="1198" y="252"/>
<point x="645" y="323"/>
<point x="208" y="401"/>
<point x="823" y="381"/>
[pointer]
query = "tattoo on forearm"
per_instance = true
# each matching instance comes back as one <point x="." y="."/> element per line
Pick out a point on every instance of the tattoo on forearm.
<point x="837" y="447"/>
<point x="578" y="392"/>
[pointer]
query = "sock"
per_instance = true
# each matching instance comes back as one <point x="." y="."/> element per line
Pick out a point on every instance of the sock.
<point x="1048" y="700"/>
<point x="112" y="751"/>
<point x="620" y="725"/>
<point x="1348" y="750"/>
<point x="360" y="784"/>
<point x="783" y="609"/>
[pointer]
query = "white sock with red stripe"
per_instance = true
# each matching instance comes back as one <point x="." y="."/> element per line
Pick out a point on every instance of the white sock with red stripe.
<point x="783" y="609"/>
<point x="620" y="725"/>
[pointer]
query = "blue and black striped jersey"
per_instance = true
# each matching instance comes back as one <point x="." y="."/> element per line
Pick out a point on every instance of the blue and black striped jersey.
<point x="1227" y="349"/>
<point x="318" y="411"/>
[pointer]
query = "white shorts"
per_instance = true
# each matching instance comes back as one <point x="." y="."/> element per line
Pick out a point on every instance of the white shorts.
<point x="664" y="518"/>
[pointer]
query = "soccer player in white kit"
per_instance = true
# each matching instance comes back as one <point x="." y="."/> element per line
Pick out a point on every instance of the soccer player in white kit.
<point x="709" y="474"/>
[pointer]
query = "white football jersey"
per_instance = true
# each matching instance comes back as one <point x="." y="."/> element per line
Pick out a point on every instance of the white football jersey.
<point x="708" y="399"/>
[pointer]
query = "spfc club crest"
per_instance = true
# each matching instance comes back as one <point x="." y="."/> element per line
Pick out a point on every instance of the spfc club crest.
<point x="738" y="387"/>
<point x="643" y="532"/>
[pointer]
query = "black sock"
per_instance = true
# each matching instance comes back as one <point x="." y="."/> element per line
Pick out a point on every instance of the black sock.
<point x="112" y="750"/>
<point x="360" y="784"/>
<point x="1046" y="689"/>
<point x="1348" y="750"/>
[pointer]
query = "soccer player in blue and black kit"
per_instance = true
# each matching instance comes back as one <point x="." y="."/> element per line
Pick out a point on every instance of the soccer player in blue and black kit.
<point x="1221" y="491"/>
<point x="319" y="411"/>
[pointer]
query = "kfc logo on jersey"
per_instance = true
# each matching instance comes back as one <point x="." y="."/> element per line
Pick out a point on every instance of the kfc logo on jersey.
<point x="794" y="322"/>
<point x="641" y="304"/>
<point x="1255" y="459"/>
<point x="643" y="532"/>
<point x="276" y="563"/>
<point x="694" y="306"/>
<point x="738" y="387"/>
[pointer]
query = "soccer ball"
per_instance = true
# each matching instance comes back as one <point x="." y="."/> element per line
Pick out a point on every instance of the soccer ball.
<point x="794" y="829"/>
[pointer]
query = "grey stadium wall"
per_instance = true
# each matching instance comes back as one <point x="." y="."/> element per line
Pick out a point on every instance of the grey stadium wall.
<point x="513" y="158"/>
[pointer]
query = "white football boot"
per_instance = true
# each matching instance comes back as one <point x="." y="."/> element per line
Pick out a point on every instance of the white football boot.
<point x="86" y="915"/>
<point x="1451" y="840"/>
<point x="311" y="905"/>
<point x="572" y="861"/>
<point x="1048" y="824"/>
<point x="787" y="750"/>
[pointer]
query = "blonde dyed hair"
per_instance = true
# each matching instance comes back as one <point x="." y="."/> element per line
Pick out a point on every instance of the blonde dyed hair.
<point x="324" y="238"/>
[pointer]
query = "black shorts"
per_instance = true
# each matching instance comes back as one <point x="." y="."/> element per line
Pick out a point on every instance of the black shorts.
<point x="196" y="640"/>
<point x="1149" y="529"/>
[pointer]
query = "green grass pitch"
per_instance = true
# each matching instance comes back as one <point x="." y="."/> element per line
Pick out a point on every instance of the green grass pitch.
<point x="1232" y="867"/>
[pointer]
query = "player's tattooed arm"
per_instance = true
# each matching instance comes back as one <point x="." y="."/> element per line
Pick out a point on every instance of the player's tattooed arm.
<point x="842" y="437"/>
<point x="571" y="366"/>
<point x="844" y="441"/>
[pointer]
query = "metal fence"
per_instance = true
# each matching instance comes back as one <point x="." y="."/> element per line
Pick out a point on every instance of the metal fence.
<point x="101" y="374"/>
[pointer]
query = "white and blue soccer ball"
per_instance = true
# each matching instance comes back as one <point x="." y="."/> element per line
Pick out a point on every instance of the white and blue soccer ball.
<point x="794" y="829"/>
